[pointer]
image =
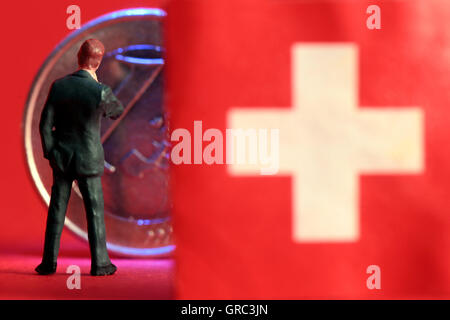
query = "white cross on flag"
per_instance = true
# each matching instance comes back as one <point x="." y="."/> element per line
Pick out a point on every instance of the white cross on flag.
<point x="327" y="141"/>
<point x="360" y="168"/>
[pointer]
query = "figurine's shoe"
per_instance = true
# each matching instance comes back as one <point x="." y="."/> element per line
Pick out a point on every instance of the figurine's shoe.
<point x="46" y="269"/>
<point x="103" y="271"/>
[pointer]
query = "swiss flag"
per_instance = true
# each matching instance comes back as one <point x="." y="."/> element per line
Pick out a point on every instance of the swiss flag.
<point x="357" y="205"/>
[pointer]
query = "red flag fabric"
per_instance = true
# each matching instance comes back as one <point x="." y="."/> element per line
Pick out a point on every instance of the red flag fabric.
<point x="356" y="98"/>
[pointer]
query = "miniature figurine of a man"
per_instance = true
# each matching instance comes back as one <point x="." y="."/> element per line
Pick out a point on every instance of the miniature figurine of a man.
<point x="70" y="134"/>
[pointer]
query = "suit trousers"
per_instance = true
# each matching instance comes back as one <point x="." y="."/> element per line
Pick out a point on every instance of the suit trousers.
<point x="91" y="190"/>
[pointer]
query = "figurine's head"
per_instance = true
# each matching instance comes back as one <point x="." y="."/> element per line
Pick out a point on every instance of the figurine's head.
<point x="91" y="54"/>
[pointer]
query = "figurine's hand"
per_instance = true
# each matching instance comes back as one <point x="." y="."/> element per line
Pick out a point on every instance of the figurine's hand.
<point x="112" y="107"/>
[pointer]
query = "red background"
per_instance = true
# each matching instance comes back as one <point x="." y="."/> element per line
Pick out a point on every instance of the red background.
<point x="30" y="30"/>
<point x="234" y="233"/>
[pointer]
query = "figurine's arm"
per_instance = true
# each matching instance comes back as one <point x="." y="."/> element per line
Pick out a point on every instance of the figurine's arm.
<point x="112" y="107"/>
<point x="46" y="125"/>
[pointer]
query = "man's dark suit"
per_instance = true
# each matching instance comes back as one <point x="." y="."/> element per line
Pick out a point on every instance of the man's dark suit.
<point x="70" y="134"/>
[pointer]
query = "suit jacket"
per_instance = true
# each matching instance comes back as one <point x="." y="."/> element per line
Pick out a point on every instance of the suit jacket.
<point x="70" y="123"/>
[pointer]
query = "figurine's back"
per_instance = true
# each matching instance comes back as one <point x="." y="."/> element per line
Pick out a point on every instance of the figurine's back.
<point x="78" y="103"/>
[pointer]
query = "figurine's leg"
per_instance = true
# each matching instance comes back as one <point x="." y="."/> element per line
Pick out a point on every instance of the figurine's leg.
<point x="61" y="188"/>
<point x="91" y="189"/>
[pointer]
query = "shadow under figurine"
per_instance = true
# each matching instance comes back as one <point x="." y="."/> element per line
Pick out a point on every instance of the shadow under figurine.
<point x="70" y="134"/>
